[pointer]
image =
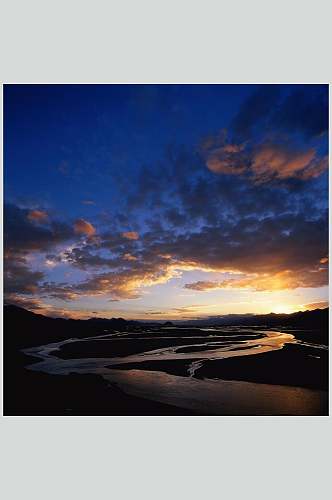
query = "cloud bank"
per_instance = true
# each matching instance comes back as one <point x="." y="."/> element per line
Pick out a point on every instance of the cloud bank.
<point x="250" y="201"/>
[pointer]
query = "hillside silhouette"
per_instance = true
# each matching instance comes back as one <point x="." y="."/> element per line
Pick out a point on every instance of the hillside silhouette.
<point x="25" y="328"/>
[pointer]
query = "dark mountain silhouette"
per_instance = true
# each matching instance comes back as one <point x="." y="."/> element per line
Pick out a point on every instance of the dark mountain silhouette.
<point x="25" y="328"/>
<point x="317" y="319"/>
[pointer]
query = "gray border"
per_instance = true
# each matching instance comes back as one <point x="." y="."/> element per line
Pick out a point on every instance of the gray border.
<point x="174" y="41"/>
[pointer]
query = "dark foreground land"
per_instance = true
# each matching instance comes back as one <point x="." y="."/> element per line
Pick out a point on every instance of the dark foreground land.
<point x="34" y="393"/>
<point x="29" y="392"/>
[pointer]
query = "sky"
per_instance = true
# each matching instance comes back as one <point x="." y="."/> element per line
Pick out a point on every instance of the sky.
<point x="165" y="201"/>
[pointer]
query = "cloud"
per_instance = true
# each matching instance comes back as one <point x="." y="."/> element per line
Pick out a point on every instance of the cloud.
<point x="271" y="236"/>
<point x="256" y="109"/>
<point x="22" y="238"/>
<point x="50" y="263"/>
<point x="126" y="283"/>
<point x="267" y="162"/>
<point x="316" y="305"/>
<point x="228" y="159"/>
<point x="37" y="216"/>
<point x="131" y="235"/>
<point x="129" y="257"/>
<point x="19" y="278"/>
<point x="275" y="136"/>
<point x="304" y="110"/>
<point x="281" y="280"/>
<point x="61" y="291"/>
<point x="82" y="226"/>
<point x="23" y="235"/>
<point x="29" y="303"/>
<point x="38" y="306"/>
<point x="83" y="258"/>
<point x="189" y="311"/>
<point x="204" y="285"/>
<point x="272" y="253"/>
<point x="251" y="202"/>
<point x="278" y="162"/>
<point x="88" y="202"/>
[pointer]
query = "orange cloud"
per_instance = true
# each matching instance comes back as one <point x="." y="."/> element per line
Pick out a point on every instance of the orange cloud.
<point x="131" y="235"/>
<point x="267" y="162"/>
<point x="281" y="280"/>
<point x="127" y="283"/>
<point x="129" y="257"/>
<point x="317" y="305"/>
<point x="277" y="162"/>
<point x="82" y="226"/>
<point x="37" y="216"/>
<point x="228" y="159"/>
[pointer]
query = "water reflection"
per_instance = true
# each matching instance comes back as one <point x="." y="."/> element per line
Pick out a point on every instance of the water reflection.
<point x="208" y="396"/>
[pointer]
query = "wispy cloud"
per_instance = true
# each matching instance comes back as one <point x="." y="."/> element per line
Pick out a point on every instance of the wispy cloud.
<point x="316" y="305"/>
<point x="88" y="202"/>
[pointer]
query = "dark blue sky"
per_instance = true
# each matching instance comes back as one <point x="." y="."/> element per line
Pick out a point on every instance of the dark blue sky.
<point x="101" y="131"/>
<point x="165" y="199"/>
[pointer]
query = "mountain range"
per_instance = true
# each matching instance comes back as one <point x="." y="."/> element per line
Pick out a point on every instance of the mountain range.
<point x="23" y="327"/>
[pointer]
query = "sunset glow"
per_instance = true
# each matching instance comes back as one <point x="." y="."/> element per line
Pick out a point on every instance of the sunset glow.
<point x="164" y="202"/>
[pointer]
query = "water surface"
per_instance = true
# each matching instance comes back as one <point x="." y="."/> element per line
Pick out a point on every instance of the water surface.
<point x="193" y="350"/>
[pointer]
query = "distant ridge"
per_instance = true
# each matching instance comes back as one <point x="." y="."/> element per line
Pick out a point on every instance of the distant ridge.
<point x="25" y="328"/>
<point x="314" y="316"/>
<point x="13" y="310"/>
<point x="317" y="318"/>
